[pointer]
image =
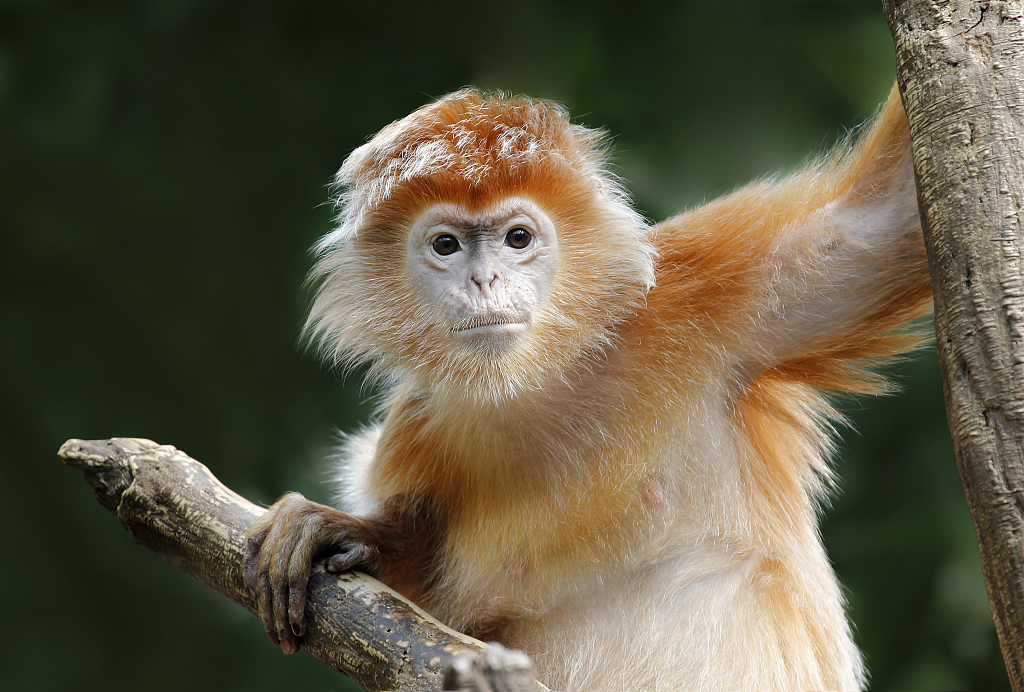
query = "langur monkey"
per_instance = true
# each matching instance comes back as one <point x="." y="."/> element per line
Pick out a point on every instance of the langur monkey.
<point x="602" y="442"/>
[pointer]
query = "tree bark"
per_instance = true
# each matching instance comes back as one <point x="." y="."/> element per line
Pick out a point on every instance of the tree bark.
<point x="961" y="75"/>
<point x="173" y="505"/>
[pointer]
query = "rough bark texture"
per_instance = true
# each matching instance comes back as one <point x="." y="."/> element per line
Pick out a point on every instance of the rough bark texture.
<point x="173" y="505"/>
<point x="961" y="73"/>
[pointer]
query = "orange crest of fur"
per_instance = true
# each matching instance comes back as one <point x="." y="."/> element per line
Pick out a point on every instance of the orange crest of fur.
<point x="468" y="143"/>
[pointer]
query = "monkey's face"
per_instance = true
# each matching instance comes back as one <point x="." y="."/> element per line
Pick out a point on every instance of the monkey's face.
<point x="483" y="273"/>
<point x="483" y="251"/>
<point x="484" y="299"/>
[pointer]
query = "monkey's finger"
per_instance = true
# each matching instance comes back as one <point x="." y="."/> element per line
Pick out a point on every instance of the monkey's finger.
<point x="265" y="608"/>
<point x="279" y="599"/>
<point x="256" y="565"/>
<point x="282" y="542"/>
<point x="338" y="562"/>
<point x="272" y="567"/>
<point x="254" y="545"/>
<point x="354" y="555"/>
<point x="298" y="574"/>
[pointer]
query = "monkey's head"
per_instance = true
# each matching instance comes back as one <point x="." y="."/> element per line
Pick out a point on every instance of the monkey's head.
<point x="482" y="249"/>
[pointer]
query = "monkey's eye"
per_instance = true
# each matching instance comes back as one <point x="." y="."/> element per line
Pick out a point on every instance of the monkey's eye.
<point x="445" y="245"/>
<point x="518" y="238"/>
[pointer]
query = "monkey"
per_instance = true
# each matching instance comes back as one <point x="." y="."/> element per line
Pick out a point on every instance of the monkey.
<point x="602" y="441"/>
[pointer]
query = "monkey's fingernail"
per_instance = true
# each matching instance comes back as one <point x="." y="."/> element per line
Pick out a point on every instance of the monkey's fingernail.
<point x="298" y="629"/>
<point x="252" y="593"/>
<point x="289" y="646"/>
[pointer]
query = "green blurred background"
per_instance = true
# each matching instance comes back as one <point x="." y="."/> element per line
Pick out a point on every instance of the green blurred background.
<point x="163" y="166"/>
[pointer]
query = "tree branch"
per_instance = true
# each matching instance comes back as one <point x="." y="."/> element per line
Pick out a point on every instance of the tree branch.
<point x="173" y="505"/>
<point x="961" y="74"/>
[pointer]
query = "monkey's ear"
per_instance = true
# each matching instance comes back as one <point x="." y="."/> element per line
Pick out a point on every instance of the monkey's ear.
<point x="599" y="184"/>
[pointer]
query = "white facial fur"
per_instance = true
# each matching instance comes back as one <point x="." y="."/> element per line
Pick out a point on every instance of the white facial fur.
<point x="487" y="289"/>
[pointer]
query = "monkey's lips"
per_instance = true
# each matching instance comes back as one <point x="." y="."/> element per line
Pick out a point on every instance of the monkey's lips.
<point x="491" y="325"/>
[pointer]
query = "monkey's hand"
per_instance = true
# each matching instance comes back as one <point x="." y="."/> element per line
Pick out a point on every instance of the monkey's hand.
<point x="281" y="547"/>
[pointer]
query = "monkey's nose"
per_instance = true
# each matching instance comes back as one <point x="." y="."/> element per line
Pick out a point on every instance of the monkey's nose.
<point x="485" y="278"/>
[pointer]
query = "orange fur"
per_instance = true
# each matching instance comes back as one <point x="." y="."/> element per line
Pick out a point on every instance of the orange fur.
<point x="629" y="493"/>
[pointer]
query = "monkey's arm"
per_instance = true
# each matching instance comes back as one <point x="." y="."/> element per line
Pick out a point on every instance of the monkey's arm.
<point x="813" y="273"/>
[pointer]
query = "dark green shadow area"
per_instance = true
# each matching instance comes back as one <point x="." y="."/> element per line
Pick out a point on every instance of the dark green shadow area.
<point x="163" y="170"/>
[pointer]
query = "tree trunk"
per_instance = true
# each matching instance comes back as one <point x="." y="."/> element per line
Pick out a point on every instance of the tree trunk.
<point x="961" y="74"/>
<point x="173" y="505"/>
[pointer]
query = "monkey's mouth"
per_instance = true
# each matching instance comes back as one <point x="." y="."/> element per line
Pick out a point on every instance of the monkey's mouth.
<point x="497" y="324"/>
